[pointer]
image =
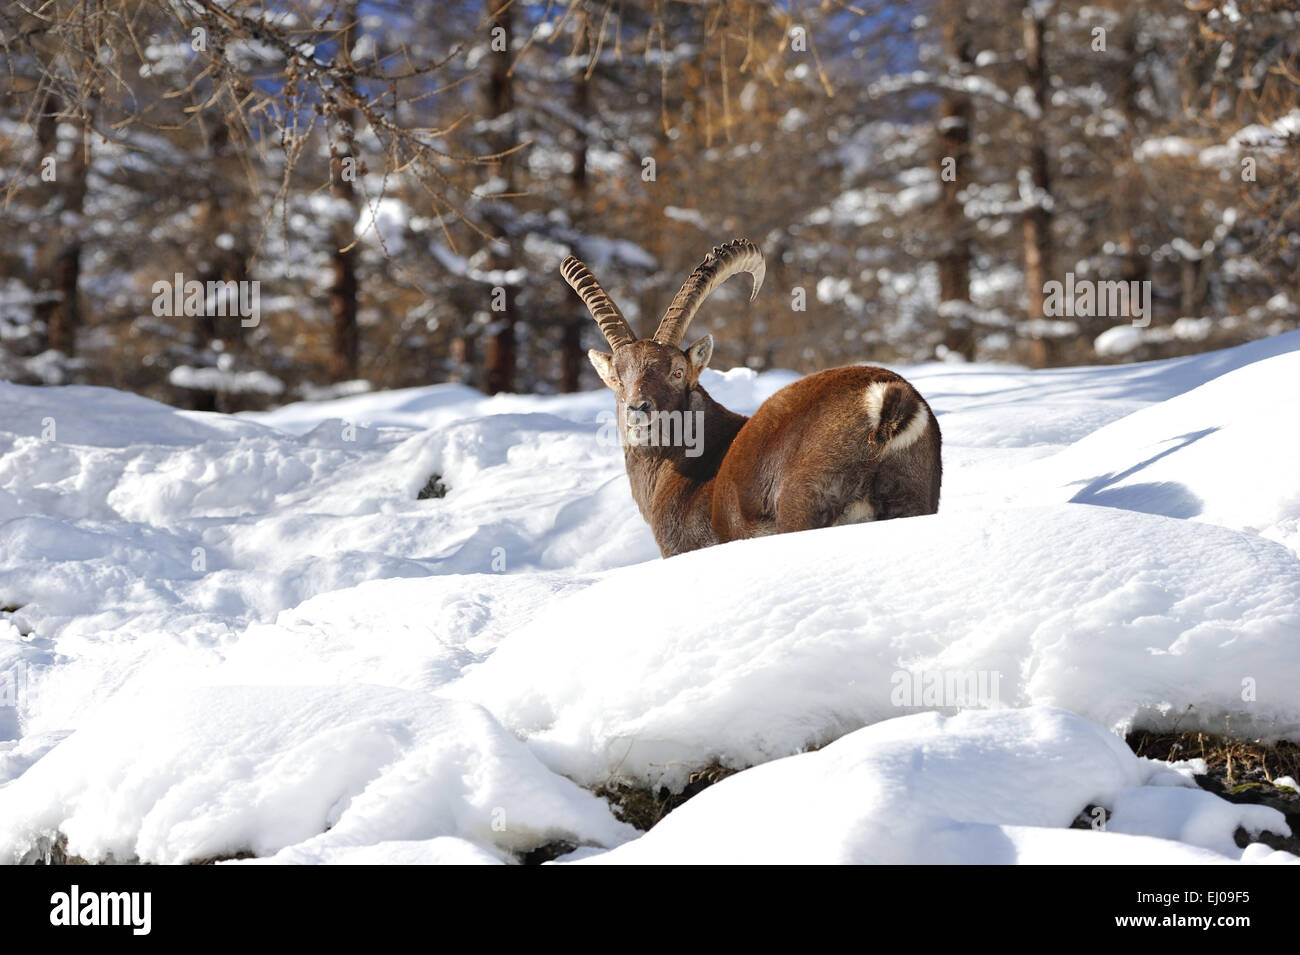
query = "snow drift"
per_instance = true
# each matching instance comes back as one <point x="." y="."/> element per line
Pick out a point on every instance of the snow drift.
<point x="227" y="635"/>
<point x="933" y="790"/>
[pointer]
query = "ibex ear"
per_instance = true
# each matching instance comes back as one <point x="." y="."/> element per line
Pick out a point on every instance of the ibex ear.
<point x="699" y="354"/>
<point x="604" y="365"/>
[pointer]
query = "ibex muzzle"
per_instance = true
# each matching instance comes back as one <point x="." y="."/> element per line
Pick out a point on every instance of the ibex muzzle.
<point x="837" y="447"/>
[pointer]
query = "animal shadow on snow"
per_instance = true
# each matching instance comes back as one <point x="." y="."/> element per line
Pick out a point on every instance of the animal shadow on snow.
<point x="1166" y="498"/>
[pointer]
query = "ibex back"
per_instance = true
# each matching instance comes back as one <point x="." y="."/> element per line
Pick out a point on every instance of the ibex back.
<point x="841" y="446"/>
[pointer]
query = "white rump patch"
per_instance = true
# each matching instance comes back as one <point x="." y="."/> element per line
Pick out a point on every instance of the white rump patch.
<point x="874" y="399"/>
<point x="915" y="428"/>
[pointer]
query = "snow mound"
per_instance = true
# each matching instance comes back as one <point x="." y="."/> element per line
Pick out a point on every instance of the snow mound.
<point x="223" y="634"/>
<point x="977" y="788"/>
<point x="756" y="649"/>
<point x="186" y="775"/>
<point x="1218" y="453"/>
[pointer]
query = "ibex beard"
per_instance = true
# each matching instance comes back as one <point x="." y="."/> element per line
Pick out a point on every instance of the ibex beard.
<point x="683" y="429"/>
<point x="842" y="446"/>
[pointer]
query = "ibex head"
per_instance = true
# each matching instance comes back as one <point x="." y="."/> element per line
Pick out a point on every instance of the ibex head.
<point x="655" y="375"/>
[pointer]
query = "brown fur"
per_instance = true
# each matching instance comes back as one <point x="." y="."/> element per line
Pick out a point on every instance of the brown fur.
<point x="817" y="452"/>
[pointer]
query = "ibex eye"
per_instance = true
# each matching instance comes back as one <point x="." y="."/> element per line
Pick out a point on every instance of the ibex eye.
<point x="677" y="373"/>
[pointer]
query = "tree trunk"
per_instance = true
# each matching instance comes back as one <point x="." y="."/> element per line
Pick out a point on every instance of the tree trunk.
<point x="501" y="353"/>
<point x="581" y="108"/>
<point x="59" y="258"/>
<point x="571" y="357"/>
<point x="222" y="212"/>
<point x="343" y="314"/>
<point x="65" y="318"/>
<point x="571" y="353"/>
<point x="502" y="347"/>
<point x="1038" y="219"/>
<point x="344" y="167"/>
<point x="1135" y="266"/>
<point x="954" y="256"/>
<point x="1191" y="299"/>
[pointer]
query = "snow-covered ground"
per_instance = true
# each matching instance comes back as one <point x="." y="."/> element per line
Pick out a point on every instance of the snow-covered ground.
<point x="229" y="635"/>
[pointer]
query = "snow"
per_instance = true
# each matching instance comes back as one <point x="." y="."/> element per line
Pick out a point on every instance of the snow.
<point x="931" y="789"/>
<point x="1127" y="628"/>
<point x="1252" y="140"/>
<point x="1172" y="146"/>
<point x="977" y="86"/>
<point x="246" y="633"/>
<point x="263" y="768"/>
<point x="383" y="223"/>
<point x="1119" y="340"/>
<point x="1153" y="461"/>
<point x="224" y="379"/>
<point x="860" y="207"/>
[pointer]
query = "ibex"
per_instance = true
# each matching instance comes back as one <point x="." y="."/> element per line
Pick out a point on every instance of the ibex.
<point x="841" y="446"/>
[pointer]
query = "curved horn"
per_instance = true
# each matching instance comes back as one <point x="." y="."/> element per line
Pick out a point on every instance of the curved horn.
<point x="611" y="321"/>
<point x="738" y="255"/>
